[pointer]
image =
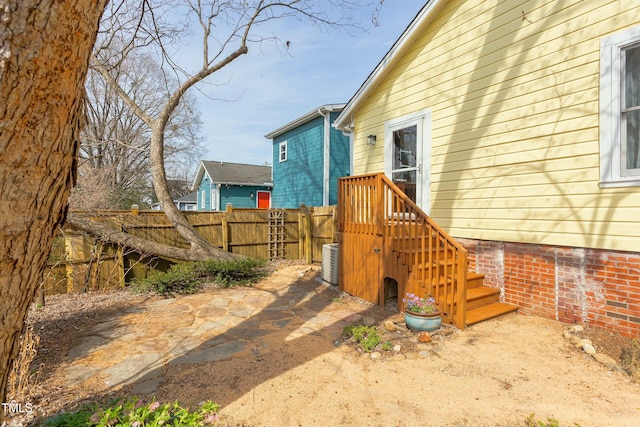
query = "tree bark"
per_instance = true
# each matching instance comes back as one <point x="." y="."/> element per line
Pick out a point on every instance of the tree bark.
<point x="45" y="47"/>
<point x="143" y="246"/>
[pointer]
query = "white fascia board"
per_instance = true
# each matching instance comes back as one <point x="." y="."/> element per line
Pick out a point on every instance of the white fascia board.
<point x="247" y="184"/>
<point x="196" y="181"/>
<point x="318" y="112"/>
<point x="344" y="121"/>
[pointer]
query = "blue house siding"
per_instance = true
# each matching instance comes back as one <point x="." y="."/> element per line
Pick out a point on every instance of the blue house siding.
<point x="339" y="158"/>
<point x="204" y="189"/>
<point x="219" y="183"/>
<point x="240" y="196"/>
<point x="317" y="155"/>
<point x="299" y="179"/>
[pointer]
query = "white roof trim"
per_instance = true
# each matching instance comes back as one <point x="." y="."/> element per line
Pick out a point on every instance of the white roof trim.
<point x="201" y="171"/>
<point x="344" y="121"/>
<point x="318" y="112"/>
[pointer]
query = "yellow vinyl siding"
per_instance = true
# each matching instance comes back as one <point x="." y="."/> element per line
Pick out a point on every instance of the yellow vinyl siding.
<point x="515" y="121"/>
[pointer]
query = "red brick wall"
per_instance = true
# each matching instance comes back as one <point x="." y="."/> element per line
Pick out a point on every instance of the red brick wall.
<point x="574" y="285"/>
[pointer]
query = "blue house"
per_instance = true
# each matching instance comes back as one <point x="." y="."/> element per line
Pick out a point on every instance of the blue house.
<point x="309" y="155"/>
<point x="244" y="186"/>
<point x="188" y="202"/>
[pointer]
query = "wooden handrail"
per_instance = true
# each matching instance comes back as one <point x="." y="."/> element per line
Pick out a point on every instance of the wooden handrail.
<point x="373" y="205"/>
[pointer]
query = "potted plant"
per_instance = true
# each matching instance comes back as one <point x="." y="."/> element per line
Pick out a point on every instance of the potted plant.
<point x="421" y="314"/>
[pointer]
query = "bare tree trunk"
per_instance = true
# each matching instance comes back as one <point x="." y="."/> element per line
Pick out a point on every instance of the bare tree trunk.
<point x="44" y="55"/>
<point x="199" y="246"/>
<point x="143" y="246"/>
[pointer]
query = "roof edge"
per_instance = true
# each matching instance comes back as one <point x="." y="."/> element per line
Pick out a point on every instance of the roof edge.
<point x="344" y="120"/>
<point x="304" y="119"/>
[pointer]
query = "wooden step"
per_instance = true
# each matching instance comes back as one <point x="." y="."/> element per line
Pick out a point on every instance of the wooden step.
<point x="479" y="296"/>
<point x="474" y="280"/>
<point x="487" y="312"/>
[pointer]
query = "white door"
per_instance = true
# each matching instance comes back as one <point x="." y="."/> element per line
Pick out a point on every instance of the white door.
<point x="408" y="155"/>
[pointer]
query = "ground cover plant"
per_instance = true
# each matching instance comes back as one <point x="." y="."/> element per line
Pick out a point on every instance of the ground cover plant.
<point x="133" y="412"/>
<point x="366" y="336"/>
<point x="190" y="277"/>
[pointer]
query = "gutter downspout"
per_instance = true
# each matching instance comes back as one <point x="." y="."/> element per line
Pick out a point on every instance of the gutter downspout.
<point x="326" y="155"/>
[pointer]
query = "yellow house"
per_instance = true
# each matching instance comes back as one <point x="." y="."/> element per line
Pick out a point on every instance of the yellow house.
<point x="515" y="125"/>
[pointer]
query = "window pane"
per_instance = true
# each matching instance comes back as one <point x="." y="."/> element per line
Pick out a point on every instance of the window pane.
<point x="632" y="77"/>
<point x="632" y="120"/>
<point x="405" y="148"/>
<point x="406" y="181"/>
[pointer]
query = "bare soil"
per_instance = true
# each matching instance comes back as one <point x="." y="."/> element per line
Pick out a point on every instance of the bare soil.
<point x="496" y="373"/>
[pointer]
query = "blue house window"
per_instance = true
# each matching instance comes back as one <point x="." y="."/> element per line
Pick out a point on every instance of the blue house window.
<point x="282" y="150"/>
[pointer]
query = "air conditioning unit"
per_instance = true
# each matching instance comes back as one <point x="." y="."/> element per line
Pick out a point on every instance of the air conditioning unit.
<point x="330" y="263"/>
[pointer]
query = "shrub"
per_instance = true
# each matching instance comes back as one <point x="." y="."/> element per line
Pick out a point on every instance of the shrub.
<point x="241" y="271"/>
<point x="181" y="278"/>
<point x="631" y="359"/>
<point x="188" y="278"/>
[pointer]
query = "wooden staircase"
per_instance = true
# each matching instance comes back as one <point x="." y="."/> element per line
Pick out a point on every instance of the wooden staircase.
<point x="386" y="240"/>
<point x="482" y="302"/>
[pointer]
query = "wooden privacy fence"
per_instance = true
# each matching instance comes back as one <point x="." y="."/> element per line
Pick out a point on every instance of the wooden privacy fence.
<point x="81" y="262"/>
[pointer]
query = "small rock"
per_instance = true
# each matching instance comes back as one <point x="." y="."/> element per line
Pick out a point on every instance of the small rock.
<point x="368" y="321"/>
<point x="575" y="340"/>
<point x="396" y="348"/>
<point x="389" y="326"/>
<point x="375" y="355"/>
<point x="424" y="337"/>
<point x="605" y="360"/>
<point x="589" y="349"/>
<point x="576" y="328"/>
<point x="397" y="318"/>
<point x="402" y="329"/>
<point x="584" y="342"/>
<point x="445" y="332"/>
<point x="567" y="334"/>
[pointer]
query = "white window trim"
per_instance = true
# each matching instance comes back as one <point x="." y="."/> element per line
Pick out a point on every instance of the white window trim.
<point x="202" y="199"/>
<point x="282" y="145"/>
<point x="611" y="170"/>
<point x="422" y="120"/>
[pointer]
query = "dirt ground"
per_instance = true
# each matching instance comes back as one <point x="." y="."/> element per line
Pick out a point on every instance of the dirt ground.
<point x="496" y="373"/>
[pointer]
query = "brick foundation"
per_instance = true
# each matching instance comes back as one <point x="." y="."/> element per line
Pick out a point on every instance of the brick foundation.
<point x="574" y="285"/>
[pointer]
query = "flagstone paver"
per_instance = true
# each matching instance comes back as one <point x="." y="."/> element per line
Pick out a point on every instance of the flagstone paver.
<point x="137" y="346"/>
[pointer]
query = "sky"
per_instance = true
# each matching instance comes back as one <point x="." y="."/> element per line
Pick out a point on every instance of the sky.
<point x="266" y="89"/>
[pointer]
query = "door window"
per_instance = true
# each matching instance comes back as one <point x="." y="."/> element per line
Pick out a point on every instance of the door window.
<point x="405" y="155"/>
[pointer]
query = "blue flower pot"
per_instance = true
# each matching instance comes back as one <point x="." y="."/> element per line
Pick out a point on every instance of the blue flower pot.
<point x="423" y="321"/>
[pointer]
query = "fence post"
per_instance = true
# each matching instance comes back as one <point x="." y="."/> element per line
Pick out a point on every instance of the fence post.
<point x="68" y="252"/>
<point x="225" y="227"/>
<point x="301" y="234"/>
<point x="308" y="243"/>
<point x="120" y="266"/>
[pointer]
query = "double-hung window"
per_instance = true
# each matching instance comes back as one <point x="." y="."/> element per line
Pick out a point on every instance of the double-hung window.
<point x="282" y="151"/>
<point x="620" y="109"/>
